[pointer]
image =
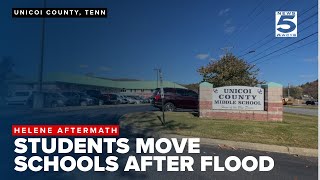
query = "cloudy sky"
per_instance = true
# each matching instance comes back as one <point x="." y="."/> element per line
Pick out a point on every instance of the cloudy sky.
<point x="178" y="36"/>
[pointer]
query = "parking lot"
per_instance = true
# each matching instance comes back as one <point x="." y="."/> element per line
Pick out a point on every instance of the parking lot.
<point x="301" y="110"/>
<point x="53" y="99"/>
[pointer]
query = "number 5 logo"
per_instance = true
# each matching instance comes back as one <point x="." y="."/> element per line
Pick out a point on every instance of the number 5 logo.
<point x="286" y="24"/>
<point x="284" y="21"/>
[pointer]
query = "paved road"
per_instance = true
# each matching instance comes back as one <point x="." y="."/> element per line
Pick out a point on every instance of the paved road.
<point x="286" y="166"/>
<point x="303" y="111"/>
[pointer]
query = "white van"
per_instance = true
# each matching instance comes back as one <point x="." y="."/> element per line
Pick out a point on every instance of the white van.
<point x="19" y="98"/>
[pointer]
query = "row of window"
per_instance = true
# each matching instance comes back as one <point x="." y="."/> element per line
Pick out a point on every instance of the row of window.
<point x="136" y="90"/>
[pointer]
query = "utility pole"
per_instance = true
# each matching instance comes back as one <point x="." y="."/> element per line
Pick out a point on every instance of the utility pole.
<point x="162" y="97"/>
<point x="288" y="90"/>
<point x="42" y="49"/>
<point x="38" y="96"/>
<point x="158" y="71"/>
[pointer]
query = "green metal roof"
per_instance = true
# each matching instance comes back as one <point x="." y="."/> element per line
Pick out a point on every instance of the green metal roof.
<point x="145" y="84"/>
<point x="95" y="81"/>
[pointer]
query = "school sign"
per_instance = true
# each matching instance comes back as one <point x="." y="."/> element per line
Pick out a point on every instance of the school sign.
<point x="262" y="103"/>
<point x="238" y="98"/>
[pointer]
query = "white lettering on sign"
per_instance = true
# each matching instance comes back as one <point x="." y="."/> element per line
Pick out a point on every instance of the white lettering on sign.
<point x="238" y="98"/>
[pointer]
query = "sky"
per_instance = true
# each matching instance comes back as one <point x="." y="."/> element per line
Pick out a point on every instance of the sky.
<point x="178" y="36"/>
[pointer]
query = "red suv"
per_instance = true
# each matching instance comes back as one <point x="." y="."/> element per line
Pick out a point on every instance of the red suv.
<point x="176" y="98"/>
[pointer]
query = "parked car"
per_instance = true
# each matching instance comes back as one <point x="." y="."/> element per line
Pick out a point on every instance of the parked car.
<point x="54" y="99"/>
<point x="96" y="101"/>
<point x="50" y="99"/>
<point x="98" y="96"/>
<point x="87" y="100"/>
<point x="94" y="93"/>
<point x="133" y="100"/>
<point x="76" y="99"/>
<point x="142" y="99"/>
<point x="148" y="100"/>
<point x="176" y="98"/>
<point x="111" y="98"/>
<point x="137" y="98"/>
<point x="130" y="100"/>
<point x="123" y="99"/>
<point x="312" y="102"/>
<point x="19" y="98"/>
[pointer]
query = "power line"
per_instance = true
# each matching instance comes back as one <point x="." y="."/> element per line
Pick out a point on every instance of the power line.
<point x="288" y="51"/>
<point x="284" y="47"/>
<point x="282" y="53"/>
<point x="256" y="55"/>
<point x="272" y="17"/>
<point x="254" y="9"/>
<point x="304" y="12"/>
<point x="278" y="55"/>
<point x="300" y="23"/>
<point x="243" y="26"/>
<point x="257" y="42"/>
<point x="300" y="31"/>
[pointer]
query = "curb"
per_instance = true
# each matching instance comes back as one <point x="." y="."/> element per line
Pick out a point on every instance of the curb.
<point x="251" y="146"/>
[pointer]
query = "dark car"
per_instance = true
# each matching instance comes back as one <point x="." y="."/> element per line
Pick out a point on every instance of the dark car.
<point x="50" y="99"/>
<point x="176" y="98"/>
<point x="93" y="93"/>
<point x="111" y="98"/>
<point x="312" y="102"/>
<point x="85" y="98"/>
<point x="53" y="100"/>
<point x="76" y="99"/>
<point x="98" y="96"/>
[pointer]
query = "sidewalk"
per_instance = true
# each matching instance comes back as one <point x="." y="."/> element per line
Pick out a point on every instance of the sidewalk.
<point x="251" y="146"/>
<point x="77" y="108"/>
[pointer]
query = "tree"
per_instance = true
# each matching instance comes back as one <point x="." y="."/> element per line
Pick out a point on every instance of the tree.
<point x="295" y="91"/>
<point x="230" y="70"/>
<point x="193" y="87"/>
<point x="311" y="89"/>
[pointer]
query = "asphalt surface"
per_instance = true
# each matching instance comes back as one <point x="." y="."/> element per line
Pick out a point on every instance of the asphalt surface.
<point x="286" y="166"/>
<point x="303" y="111"/>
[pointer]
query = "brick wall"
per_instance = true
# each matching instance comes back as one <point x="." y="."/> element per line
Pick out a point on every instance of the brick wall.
<point x="273" y="108"/>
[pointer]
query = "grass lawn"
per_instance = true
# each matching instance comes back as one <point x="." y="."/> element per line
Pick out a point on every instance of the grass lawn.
<point x="295" y="130"/>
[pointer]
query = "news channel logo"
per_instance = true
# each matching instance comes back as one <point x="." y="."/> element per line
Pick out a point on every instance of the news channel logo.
<point x="286" y="24"/>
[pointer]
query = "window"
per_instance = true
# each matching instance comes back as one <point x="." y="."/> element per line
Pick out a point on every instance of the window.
<point x="185" y="92"/>
<point x="192" y="93"/>
<point x="182" y="92"/>
<point x="168" y="90"/>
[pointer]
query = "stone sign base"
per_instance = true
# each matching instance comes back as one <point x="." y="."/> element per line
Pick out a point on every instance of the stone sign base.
<point x="273" y="108"/>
